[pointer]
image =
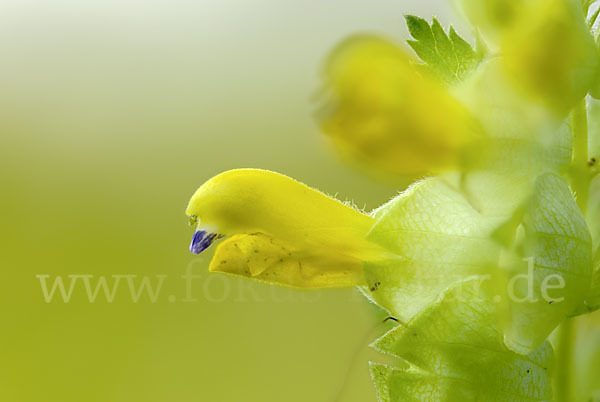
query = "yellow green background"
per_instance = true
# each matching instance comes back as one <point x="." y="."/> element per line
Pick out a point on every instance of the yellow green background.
<point x="111" y="114"/>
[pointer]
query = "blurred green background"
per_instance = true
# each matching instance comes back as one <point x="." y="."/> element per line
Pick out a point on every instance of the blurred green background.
<point x="112" y="114"/>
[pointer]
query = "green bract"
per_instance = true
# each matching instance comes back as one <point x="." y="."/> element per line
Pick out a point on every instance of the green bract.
<point x="436" y="238"/>
<point x="456" y="353"/>
<point x="554" y="235"/>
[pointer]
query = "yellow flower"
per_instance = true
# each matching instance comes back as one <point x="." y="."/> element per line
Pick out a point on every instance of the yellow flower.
<point x="492" y="17"/>
<point x="550" y="54"/>
<point x="381" y="110"/>
<point x="281" y="230"/>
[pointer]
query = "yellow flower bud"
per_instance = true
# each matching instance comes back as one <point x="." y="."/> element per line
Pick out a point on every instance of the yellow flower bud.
<point x="282" y="231"/>
<point x="550" y="54"/>
<point x="380" y="110"/>
<point x="492" y="17"/>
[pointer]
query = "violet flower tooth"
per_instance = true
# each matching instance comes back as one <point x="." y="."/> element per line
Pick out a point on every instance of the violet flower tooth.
<point x="201" y="241"/>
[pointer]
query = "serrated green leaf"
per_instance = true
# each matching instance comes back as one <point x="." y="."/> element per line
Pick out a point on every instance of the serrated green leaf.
<point x="457" y="354"/>
<point x="448" y="56"/>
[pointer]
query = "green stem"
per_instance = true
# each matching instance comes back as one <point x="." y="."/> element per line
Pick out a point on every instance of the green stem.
<point x="580" y="175"/>
<point x="580" y="182"/>
<point x="563" y="375"/>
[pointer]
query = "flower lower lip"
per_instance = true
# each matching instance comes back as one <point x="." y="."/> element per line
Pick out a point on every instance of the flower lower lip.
<point x="202" y="240"/>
